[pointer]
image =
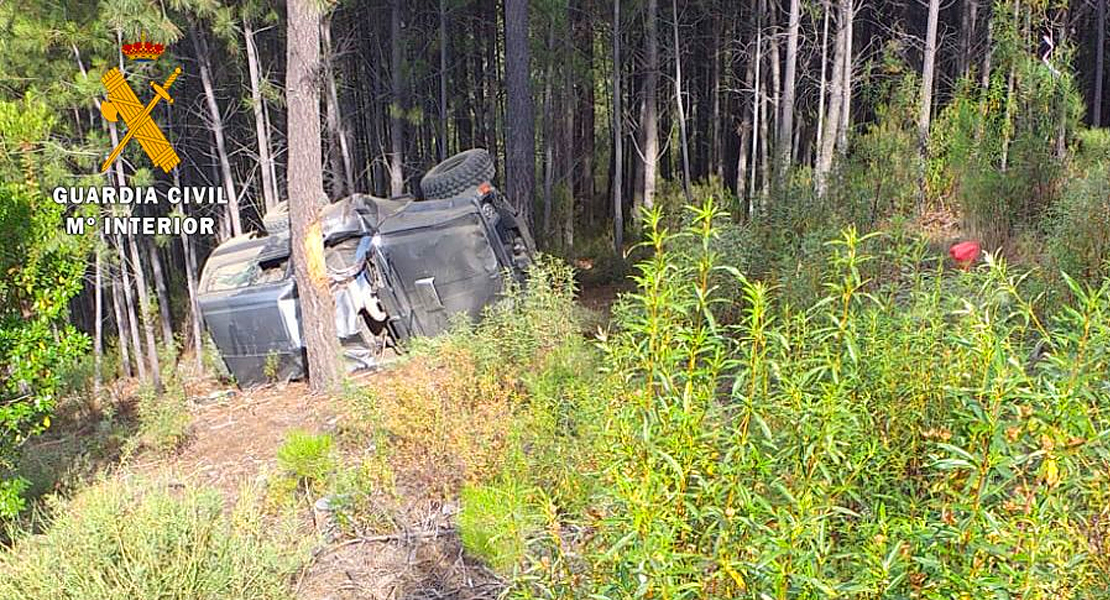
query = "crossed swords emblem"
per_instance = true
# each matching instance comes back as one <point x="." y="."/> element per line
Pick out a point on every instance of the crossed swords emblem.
<point x="140" y="125"/>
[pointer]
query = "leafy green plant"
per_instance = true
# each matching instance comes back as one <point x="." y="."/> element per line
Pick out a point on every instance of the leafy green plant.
<point x="308" y="458"/>
<point x="495" y="522"/>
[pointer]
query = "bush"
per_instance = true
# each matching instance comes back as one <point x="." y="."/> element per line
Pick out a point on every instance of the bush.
<point x="308" y="458"/>
<point x="1079" y="225"/>
<point x="933" y="435"/>
<point x="163" y="419"/>
<point x="123" y="540"/>
<point x="496" y="522"/>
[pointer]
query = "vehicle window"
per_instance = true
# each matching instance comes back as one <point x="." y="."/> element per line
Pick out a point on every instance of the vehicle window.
<point x="239" y="275"/>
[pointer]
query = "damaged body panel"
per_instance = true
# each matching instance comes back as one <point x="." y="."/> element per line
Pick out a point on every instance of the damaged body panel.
<point x="398" y="268"/>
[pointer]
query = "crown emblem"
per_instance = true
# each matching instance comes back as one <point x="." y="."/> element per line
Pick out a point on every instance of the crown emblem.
<point x="143" y="51"/>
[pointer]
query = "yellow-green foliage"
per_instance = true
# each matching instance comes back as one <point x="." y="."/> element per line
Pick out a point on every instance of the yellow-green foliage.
<point x="163" y="419"/>
<point x="934" y="435"/>
<point x="307" y="458"/>
<point x="131" y="539"/>
<point x="496" y="521"/>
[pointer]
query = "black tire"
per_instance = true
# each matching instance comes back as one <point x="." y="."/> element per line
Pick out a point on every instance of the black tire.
<point x="457" y="174"/>
<point x="276" y="220"/>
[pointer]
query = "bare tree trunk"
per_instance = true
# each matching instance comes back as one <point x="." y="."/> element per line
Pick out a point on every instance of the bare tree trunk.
<point x="968" y="16"/>
<point x="121" y="328"/>
<point x="1100" y="49"/>
<point x="756" y="116"/>
<point x="681" y="110"/>
<point x="716" y="151"/>
<point x="442" y="80"/>
<point x="98" y="325"/>
<point x="191" y="284"/>
<point x="397" y="108"/>
<point x="306" y="194"/>
<point x="217" y="126"/>
<point x="745" y="133"/>
<point x="926" y="107"/>
<point x="336" y="130"/>
<point x="520" y="136"/>
<point x="147" y="316"/>
<point x="827" y="147"/>
<point x="129" y="308"/>
<point x="649" y="127"/>
<point x="786" y="124"/>
<point x="261" y="127"/>
<point x="618" y="135"/>
<point x="548" y="132"/>
<point x="846" y="88"/>
<point x="827" y="8"/>
<point x="163" y="294"/>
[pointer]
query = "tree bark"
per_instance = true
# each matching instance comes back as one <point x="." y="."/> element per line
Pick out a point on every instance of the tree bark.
<point x="927" y="70"/>
<point x="618" y="135"/>
<point x="826" y="8"/>
<point x="216" y="124"/>
<point x="442" y="146"/>
<point x="98" y="324"/>
<point x="1100" y="49"/>
<point x="397" y="107"/>
<point x="147" y="316"/>
<point x="845" y="122"/>
<point x="129" y="308"/>
<point x="261" y="127"/>
<point x="827" y="148"/>
<point x="163" y="294"/>
<point x="337" y="133"/>
<point x="786" y="125"/>
<point x="306" y="195"/>
<point x="520" y="137"/>
<point x="121" y="329"/>
<point x="681" y="110"/>
<point x="968" y="16"/>
<point x="649" y="127"/>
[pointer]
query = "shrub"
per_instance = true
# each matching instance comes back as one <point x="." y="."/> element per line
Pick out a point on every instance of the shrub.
<point x="495" y="522"/>
<point x="122" y="540"/>
<point x="163" y="419"/>
<point x="934" y="435"/>
<point x="1079" y="226"/>
<point x="308" y="458"/>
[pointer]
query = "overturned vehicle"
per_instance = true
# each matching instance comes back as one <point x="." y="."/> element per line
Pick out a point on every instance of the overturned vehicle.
<point x="398" y="267"/>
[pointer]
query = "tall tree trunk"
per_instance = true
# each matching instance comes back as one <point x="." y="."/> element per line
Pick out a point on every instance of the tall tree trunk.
<point x="618" y="135"/>
<point x="927" y="70"/>
<point x="121" y="328"/>
<point x="147" y="316"/>
<point x="745" y="133"/>
<point x="827" y="147"/>
<point x="98" y="324"/>
<point x="337" y="133"/>
<point x="397" y="106"/>
<point x="681" y="109"/>
<point x="442" y="146"/>
<point x="216" y="123"/>
<point x="306" y="194"/>
<point x="826" y="7"/>
<point x="649" y="127"/>
<point x="163" y="294"/>
<point x="757" y="104"/>
<point x="548" y="131"/>
<point x="129" y="308"/>
<point x="520" y="137"/>
<point x="968" y="16"/>
<point x="191" y="285"/>
<point x="716" y="144"/>
<point x="261" y="127"/>
<point x="786" y="124"/>
<point x="845" y="122"/>
<point x="1100" y="50"/>
<point x="926" y="106"/>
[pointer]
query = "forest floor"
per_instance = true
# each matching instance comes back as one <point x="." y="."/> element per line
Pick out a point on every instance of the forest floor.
<point x="234" y="440"/>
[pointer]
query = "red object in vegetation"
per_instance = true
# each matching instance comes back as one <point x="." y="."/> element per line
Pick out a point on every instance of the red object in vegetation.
<point x="965" y="253"/>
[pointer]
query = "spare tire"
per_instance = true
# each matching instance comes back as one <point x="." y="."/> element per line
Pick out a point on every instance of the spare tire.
<point x="276" y="220"/>
<point x="457" y="174"/>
